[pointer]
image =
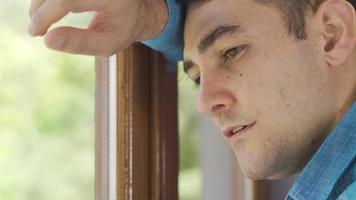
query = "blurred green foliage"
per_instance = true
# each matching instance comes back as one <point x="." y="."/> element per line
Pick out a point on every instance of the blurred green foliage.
<point x="46" y="116"/>
<point x="190" y="177"/>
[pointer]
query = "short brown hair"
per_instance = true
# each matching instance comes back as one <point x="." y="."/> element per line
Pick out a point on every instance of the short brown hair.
<point x="293" y="12"/>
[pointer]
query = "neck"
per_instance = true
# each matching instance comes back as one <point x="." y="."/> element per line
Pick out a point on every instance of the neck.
<point x="345" y="88"/>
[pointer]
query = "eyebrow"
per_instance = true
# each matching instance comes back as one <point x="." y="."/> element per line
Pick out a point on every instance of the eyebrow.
<point x="210" y="39"/>
<point x="214" y="35"/>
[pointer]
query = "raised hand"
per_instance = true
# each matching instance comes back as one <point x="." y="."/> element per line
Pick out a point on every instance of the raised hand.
<point x="116" y="24"/>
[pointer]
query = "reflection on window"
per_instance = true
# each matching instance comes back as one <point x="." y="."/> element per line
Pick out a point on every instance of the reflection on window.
<point x="46" y="116"/>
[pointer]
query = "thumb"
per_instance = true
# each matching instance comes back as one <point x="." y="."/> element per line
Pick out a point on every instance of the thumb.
<point x="83" y="41"/>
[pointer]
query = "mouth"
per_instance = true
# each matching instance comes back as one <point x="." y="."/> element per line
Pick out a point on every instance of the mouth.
<point x="234" y="133"/>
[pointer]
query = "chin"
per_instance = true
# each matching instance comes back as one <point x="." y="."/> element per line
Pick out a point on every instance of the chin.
<point x="263" y="170"/>
<point x="253" y="173"/>
<point x="265" y="174"/>
<point x="253" y="176"/>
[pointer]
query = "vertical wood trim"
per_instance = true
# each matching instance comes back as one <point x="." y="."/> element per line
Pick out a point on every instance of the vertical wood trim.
<point x="164" y="99"/>
<point x="133" y="124"/>
<point x="147" y="133"/>
<point x="260" y="190"/>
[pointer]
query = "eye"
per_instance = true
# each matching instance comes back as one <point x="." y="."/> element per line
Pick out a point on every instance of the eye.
<point x="233" y="52"/>
<point x="197" y="81"/>
<point x="193" y="74"/>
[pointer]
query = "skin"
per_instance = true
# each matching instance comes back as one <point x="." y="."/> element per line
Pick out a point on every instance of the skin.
<point x="295" y="91"/>
<point x="115" y="26"/>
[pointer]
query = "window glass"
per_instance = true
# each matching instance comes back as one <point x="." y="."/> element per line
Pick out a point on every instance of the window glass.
<point x="46" y="115"/>
<point x="190" y="175"/>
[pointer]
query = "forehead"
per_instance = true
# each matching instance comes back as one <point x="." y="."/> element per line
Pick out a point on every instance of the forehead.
<point x="204" y="16"/>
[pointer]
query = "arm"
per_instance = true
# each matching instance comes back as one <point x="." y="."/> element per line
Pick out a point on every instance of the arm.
<point x="115" y="26"/>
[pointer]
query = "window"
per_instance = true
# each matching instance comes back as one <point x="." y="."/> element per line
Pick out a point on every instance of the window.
<point x="46" y="116"/>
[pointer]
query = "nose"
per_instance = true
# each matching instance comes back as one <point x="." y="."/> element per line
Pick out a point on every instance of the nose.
<point x="214" y="98"/>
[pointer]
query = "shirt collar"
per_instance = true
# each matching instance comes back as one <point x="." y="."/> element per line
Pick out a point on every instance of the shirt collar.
<point x="330" y="161"/>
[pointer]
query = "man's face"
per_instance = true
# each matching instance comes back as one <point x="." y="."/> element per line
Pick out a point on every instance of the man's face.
<point x="253" y="74"/>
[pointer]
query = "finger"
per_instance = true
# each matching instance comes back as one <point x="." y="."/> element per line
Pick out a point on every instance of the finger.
<point x="53" y="10"/>
<point x="83" y="41"/>
<point x="88" y="5"/>
<point x="47" y="14"/>
<point x="35" y="4"/>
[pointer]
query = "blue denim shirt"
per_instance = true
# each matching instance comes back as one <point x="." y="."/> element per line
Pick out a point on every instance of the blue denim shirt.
<point x="331" y="173"/>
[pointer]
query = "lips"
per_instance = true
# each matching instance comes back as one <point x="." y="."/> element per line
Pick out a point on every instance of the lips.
<point x="232" y="133"/>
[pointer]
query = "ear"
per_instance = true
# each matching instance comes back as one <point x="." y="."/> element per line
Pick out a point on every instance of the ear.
<point x="338" y="26"/>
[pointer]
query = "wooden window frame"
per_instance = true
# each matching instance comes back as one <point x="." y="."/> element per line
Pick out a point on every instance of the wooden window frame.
<point x="146" y="131"/>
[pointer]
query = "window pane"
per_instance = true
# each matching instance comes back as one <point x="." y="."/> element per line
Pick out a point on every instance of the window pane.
<point x="46" y="116"/>
<point x="190" y="175"/>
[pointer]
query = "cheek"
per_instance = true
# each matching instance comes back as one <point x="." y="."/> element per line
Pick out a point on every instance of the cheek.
<point x="284" y="84"/>
<point x="284" y="96"/>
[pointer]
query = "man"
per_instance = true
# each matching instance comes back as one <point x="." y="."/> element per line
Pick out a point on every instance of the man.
<point x="278" y="78"/>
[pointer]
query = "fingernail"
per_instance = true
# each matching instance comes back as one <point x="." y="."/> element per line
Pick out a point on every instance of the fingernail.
<point x="58" y="43"/>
